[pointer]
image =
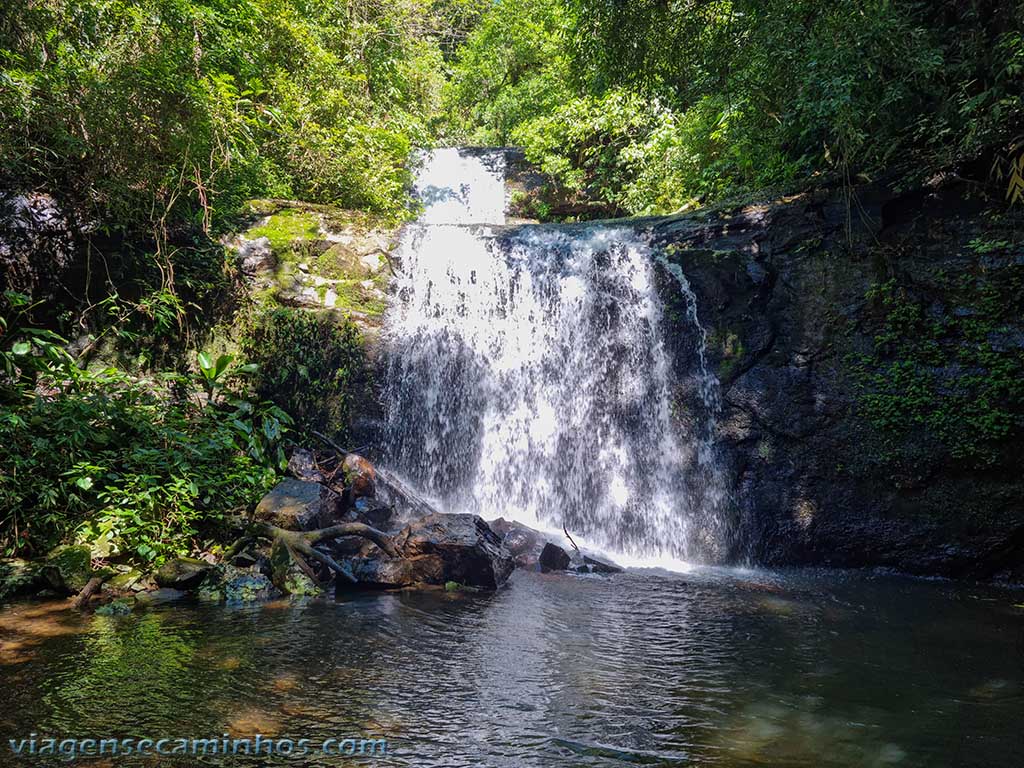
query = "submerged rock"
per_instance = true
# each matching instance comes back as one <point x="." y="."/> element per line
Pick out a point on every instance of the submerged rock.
<point x="298" y="505"/>
<point x="122" y="606"/>
<point x="437" y="549"/>
<point x="183" y="573"/>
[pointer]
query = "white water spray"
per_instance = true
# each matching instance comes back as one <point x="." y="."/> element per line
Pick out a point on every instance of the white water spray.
<point x="528" y="377"/>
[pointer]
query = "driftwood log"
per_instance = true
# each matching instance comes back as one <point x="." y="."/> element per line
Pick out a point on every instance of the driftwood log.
<point x="91" y="588"/>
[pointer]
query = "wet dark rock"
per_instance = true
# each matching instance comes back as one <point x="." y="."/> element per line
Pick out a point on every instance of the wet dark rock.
<point x="183" y="573"/>
<point x="596" y="565"/>
<point x="299" y="505"/>
<point x="521" y="541"/>
<point x="20" y="577"/>
<point x="554" y="558"/>
<point x="435" y="550"/>
<point x="374" y="513"/>
<point x="781" y="292"/>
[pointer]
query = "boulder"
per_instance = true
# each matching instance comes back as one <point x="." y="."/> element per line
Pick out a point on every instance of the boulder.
<point x="360" y="476"/>
<point x="372" y="512"/>
<point x="183" y="573"/>
<point x="68" y="568"/>
<point x="299" y="505"/>
<point x="522" y="542"/>
<point x="126" y="579"/>
<point x="437" y="549"/>
<point x="554" y="558"/>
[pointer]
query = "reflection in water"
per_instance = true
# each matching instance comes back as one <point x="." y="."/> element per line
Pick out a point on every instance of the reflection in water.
<point x="714" y="668"/>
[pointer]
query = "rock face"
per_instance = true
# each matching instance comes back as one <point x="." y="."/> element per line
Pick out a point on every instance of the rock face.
<point x="38" y="244"/>
<point x="437" y="549"/>
<point x="299" y="505"/>
<point x="794" y="297"/>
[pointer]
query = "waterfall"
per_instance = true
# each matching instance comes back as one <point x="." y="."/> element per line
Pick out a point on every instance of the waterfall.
<point x="528" y="377"/>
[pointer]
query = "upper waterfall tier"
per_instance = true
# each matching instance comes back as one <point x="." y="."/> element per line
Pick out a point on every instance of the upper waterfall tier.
<point x="459" y="186"/>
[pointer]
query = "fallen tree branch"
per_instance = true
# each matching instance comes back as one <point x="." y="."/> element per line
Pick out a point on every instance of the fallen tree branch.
<point x="566" y="532"/>
<point x="91" y="588"/>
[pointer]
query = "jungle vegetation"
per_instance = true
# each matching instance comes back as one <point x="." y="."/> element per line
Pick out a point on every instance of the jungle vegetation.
<point x="152" y="122"/>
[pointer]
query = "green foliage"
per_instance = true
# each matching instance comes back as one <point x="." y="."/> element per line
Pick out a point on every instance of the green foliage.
<point x="953" y="374"/>
<point x="138" y="468"/>
<point x="645" y="106"/>
<point x="512" y="69"/>
<point x="311" y="364"/>
<point x="178" y="110"/>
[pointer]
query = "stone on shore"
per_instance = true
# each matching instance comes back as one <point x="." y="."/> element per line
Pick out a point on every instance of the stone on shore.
<point x="299" y="505"/>
<point x="437" y="549"/>
<point x="183" y="573"/>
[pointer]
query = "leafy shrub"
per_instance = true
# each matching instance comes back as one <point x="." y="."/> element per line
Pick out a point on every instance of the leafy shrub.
<point x="311" y="365"/>
<point x="140" y="468"/>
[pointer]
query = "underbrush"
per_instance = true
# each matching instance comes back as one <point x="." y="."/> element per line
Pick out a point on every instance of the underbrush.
<point x="139" y="467"/>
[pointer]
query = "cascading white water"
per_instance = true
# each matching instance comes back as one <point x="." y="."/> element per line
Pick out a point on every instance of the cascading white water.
<point x="528" y="377"/>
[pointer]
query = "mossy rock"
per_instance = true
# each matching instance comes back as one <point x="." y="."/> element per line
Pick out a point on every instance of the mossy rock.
<point x="68" y="568"/>
<point x="287" y="576"/>
<point x="236" y="585"/>
<point x="122" y="606"/>
<point x="126" y="580"/>
<point x="286" y="230"/>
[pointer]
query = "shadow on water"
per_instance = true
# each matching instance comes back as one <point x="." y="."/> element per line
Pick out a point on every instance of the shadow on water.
<point x="649" y="668"/>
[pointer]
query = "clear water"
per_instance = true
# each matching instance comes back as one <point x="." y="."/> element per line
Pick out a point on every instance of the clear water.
<point x="714" y="668"/>
<point x="528" y="376"/>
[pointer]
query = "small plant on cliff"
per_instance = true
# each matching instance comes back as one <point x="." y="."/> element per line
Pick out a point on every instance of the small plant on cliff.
<point x="945" y="372"/>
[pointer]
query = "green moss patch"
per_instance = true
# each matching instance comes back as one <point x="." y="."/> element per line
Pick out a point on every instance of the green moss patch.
<point x="286" y="229"/>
